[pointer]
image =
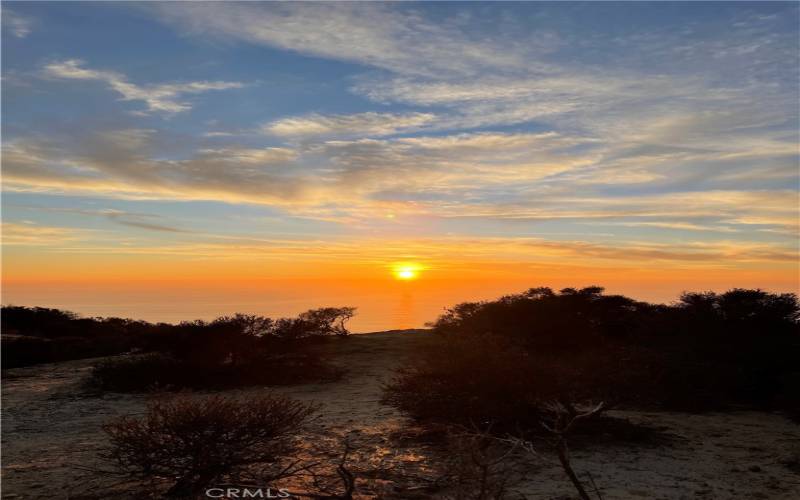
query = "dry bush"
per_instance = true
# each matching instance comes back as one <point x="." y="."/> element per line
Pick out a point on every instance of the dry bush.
<point x="564" y="421"/>
<point x="196" y="441"/>
<point x="479" y="468"/>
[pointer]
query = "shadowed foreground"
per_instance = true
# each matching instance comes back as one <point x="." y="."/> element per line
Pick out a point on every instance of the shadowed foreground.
<point x="51" y="438"/>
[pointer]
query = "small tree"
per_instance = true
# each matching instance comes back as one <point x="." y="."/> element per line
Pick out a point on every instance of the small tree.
<point x="329" y="320"/>
<point x="314" y="323"/>
<point x="196" y="441"/>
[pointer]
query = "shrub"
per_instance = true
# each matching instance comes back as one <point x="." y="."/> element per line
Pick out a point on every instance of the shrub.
<point x="150" y="371"/>
<point x="196" y="441"/>
<point x="483" y="382"/>
<point x="737" y="347"/>
<point x="501" y="361"/>
<point x="41" y="335"/>
<point x="230" y="351"/>
<point x="136" y="373"/>
<point x="34" y="335"/>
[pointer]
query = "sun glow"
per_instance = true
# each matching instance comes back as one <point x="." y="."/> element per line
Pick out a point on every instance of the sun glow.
<point x="406" y="271"/>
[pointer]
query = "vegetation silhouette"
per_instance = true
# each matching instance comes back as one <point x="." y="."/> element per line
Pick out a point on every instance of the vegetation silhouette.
<point x="503" y="362"/>
<point x="228" y="351"/>
<point x="33" y="335"/>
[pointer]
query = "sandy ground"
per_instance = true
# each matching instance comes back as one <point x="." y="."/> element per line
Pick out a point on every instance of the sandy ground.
<point x="51" y="437"/>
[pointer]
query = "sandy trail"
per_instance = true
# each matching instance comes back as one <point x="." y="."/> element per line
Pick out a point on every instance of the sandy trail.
<point x="52" y="433"/>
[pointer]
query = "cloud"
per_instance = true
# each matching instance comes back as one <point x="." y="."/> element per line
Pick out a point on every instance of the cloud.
<point x="141" y="221"/>
<point x="218" y="133"/>
<point x="32" y="234"/>
<point x="492" y="176"/>
<point x="361" y="124"/>
<point x="513" y="88"/>
<point x="496" y="69"/>
<point x="395" y="39"/>
<point x="685" y="226"/>
<point x="161" y="98"/>
<point x="125" y="218"/>
<point x="478" y="77"/>
<point x="493" y="142"/>
<point x="247" y="156"/>
<point x="126" y="162"/>
<point x="473" y="252"/>
<point x="708" y="253"/>
<point x="132" y="219"/>
<point x="17" y="24"/>
<point x="117" y="164"/>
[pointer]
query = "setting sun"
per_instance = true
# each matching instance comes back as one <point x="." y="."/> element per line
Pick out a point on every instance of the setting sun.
<point x="405" y="274"/>
<point x="406" y="271"/>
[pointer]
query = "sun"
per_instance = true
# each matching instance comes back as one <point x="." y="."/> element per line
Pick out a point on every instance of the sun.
<point x="406" y="272"/>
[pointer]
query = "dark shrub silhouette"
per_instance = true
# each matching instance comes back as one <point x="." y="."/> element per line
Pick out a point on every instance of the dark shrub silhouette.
<point x="482" y="382"/>
<point x="228" y="352"/>
<point x="156" y="371"/>
<point x="136" y="373"/>
<point x="313" y="323"/>
<point x="739" y="347"/>
<point x="500" y="362"/>
<point x="196" y="441"/>
<point x="39" y="335"/>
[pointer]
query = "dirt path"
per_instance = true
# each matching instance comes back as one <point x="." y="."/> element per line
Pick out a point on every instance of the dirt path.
<point x="52" y="433"/>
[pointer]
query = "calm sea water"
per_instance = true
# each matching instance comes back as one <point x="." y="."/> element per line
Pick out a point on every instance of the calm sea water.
<point x="382" y="305"/>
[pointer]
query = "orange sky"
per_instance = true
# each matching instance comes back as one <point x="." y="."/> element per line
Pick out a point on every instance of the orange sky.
<point x="180" y="287"/>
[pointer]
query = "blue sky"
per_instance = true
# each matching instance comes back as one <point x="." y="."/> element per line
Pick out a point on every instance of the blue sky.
<point x="618" y="134"/>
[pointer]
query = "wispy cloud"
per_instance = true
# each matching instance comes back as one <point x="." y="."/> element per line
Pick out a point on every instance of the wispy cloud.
<point x="17" y="24"/>
<point x="437" y="253"/>
<point x="32" y="234"/>
<point x="133" y="219"/>
<point x="361" y="124"/>
<point x="238" y="156"/>
<point x="489" y="176"/>
<point x="159" y="98"/>
<point x="377" y="35"/>
<point x="116" y="164"/>
<point x="140" y="221"/>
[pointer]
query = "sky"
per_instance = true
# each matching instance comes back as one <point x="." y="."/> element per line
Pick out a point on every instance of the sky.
<point x="165" y="159"/>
